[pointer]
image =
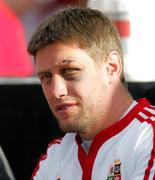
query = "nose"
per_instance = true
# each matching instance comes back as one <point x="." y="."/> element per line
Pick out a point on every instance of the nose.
<point x="58" y="88"/>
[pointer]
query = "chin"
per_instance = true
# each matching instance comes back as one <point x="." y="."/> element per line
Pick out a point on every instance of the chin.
<point x="69" y="128"/>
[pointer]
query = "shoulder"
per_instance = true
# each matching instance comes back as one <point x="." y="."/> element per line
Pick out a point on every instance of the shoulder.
<point x="145" y="143"/>
<point x="56" y="150"/>
<point x="145" y="130"/>
<point x="142" y="127"/>
<point x="146" y="116"/>
<point x="58" y="145"/>
<point x="69" y="138"/>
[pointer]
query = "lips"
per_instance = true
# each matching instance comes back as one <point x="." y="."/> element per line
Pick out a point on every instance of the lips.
<point x="65" y="106"/>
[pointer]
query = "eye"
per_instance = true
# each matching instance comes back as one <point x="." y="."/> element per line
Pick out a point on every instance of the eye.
<point x="70" y="71"/>
<point x="45" y="78"/>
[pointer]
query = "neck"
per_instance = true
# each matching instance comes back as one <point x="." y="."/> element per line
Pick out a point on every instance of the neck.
<point x="119" y="102"/>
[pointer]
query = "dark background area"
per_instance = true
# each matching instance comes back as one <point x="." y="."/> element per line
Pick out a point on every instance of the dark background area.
<point x="27" y="125"/>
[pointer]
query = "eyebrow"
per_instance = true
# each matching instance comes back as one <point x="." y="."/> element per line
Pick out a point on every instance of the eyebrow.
<point x="64" y="62"/>
<point x="42" y="72"/>
<point x="67" y="62"/>
<point x="58" y="64"/>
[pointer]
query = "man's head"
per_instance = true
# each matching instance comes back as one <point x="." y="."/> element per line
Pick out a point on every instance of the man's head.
<point x="89" y="29"/>
<point x="78" y="61"/>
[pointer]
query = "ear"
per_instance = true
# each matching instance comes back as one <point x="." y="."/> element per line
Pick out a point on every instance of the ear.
<point x="114" y="66"/>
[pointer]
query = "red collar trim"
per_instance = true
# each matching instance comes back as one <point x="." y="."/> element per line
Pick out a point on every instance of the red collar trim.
<point x="87" y="161"/>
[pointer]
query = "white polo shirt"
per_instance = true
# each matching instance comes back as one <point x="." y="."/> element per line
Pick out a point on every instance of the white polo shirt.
<point x="123" y="151"/>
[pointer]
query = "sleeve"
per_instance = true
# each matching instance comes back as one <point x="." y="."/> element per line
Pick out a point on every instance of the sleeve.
<point x="145" y="154"/>
<point x="47" y="166"/>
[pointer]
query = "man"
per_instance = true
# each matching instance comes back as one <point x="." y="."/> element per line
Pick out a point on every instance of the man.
<point x="109" y="135"/>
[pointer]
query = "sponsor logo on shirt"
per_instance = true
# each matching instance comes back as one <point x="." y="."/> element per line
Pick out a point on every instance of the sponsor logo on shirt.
<point x="115" y="171"/>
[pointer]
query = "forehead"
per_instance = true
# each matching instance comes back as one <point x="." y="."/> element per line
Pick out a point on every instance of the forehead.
<point x="59" y="54"/>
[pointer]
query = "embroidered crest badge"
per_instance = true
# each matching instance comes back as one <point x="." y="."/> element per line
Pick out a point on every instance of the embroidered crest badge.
<point x="115" y="171"/>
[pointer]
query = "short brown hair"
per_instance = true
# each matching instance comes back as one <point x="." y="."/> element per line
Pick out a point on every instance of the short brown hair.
<point x="89" y="29"/>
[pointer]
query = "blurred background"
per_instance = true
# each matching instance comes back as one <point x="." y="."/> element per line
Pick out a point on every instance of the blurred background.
<point x="27" y="125"/>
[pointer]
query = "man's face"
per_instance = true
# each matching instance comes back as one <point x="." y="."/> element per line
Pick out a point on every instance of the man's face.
<point x="76" y="89"/>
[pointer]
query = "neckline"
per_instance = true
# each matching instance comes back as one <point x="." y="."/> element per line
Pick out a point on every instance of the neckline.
<point x="117" y="127"/>
<point x="87" y="160"/>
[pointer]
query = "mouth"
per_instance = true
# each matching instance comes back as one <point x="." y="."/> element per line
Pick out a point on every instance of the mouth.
<point x="64" y="107"/>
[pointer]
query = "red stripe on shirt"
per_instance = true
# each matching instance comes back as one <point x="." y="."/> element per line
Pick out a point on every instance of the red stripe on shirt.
<point x="150" y="163"/>
<point x="151" y="160"/>
<point x="43" y="157"/>
<point x="87" y="161"/>
<point x="147" y="113"/>
<point x="152" y="107"/>
<point x="154" y="177"/>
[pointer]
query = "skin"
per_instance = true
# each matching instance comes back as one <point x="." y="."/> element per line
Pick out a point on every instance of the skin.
<point x="81" y="95"/>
